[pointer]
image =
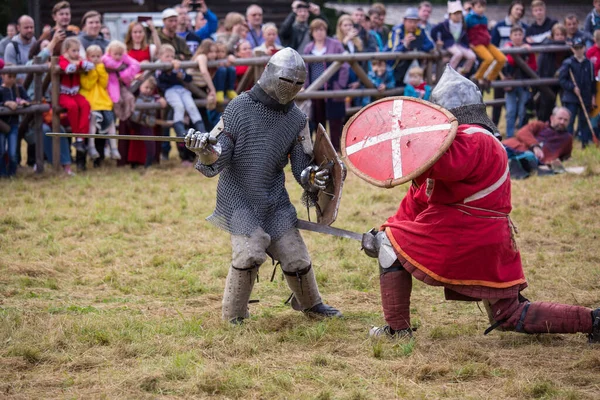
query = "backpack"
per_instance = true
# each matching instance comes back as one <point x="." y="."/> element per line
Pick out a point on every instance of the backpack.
<point x="17" y="51"/>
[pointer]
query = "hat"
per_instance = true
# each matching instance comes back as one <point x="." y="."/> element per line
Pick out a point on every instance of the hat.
<point x="578" y="42"/>
<point x="168" y="13"/>
<point x="411" y="13"/>
<point x="454" y="6"/>
<point x="302" y="5"/>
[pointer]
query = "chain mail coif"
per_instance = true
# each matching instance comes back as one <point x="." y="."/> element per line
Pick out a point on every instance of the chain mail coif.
<point x="255" y="144"/>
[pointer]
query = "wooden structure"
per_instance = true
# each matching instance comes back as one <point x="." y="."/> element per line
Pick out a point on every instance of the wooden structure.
<point x="434" y="64"/>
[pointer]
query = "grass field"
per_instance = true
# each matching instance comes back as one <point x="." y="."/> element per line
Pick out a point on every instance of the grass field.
<point x="111" y="282"/>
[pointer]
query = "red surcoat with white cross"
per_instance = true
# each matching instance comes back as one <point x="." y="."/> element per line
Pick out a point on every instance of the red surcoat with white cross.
<point x="453" y="224"/>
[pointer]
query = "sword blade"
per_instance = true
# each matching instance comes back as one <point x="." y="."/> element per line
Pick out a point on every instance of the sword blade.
<point x="118" y="137"/>
<point x="328" y="230"/>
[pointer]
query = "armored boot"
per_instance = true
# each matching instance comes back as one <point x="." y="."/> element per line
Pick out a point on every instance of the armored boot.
<point x="238" y="287"/>
<point x="594" y="337"/>
<point x="306" y="296"/>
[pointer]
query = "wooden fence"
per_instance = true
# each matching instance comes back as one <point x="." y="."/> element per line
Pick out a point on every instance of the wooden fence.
<point x="434" y="64"/>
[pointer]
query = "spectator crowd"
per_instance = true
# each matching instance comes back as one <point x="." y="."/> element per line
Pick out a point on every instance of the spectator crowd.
<point x="102" y="80"/>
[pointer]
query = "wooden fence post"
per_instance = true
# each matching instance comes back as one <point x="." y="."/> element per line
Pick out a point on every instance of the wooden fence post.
<point x="37" y="119"/>
<point x="55" y="79"/>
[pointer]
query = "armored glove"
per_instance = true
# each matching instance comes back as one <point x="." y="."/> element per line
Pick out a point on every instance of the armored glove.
<point x="314" y="178"/>
<point x="205" y="146"/>
<point x="371" y="242"/>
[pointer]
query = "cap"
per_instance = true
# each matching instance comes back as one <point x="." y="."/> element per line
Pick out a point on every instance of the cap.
<point x="302" y="5"/>
<point x="411" y="13"/>
<point x="168" y="13"/>
<point x="454" y="6"/>
<point x="578" y="42"/>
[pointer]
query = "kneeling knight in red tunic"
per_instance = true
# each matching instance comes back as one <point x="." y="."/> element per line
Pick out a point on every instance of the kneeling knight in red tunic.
<point x="453" y="230"/>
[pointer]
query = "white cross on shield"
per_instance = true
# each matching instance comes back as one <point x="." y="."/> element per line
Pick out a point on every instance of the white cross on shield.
<point x="394" y="140"/>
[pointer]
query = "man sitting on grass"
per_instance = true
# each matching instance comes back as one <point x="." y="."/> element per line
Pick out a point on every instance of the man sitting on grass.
<point x="540" y="143"/>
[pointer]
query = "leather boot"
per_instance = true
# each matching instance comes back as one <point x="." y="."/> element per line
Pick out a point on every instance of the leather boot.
<point x="306" y="296"/>
<point x="594" y="337"/>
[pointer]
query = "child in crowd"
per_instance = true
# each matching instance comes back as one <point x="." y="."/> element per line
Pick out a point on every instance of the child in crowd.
<point x="224" y="78"/>
<point x="581" y="70"/>
<point x="203" y="76"/>
<point x="94" y="86"/>
<point x="451" y="35"/>
<point x="416" y="86"/>
<point x="382" y="77"/>
<point x="11" y="96"/>
<point x="480" y="40"/>
<point x="269" y="47"/>
<point x="122" y="70"/>
<point x="146" y="119"/>
<point x="516" y="98"/>
<point x="242" y="49"/>
<point x="178" y="97"/>
<point x="593" y="53"/>
<point x="78" y="108"/>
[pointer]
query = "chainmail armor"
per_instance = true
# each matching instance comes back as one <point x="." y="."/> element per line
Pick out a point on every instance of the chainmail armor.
<point x="474" y="114"/>
<point x="259" y="135"/>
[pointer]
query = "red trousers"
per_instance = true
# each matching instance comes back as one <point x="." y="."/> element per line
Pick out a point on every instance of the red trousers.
<point x="78" y="112"/>
<point x="520" y="316"/>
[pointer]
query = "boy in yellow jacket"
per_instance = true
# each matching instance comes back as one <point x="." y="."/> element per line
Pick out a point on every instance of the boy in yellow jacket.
<point x="94" y="88"/>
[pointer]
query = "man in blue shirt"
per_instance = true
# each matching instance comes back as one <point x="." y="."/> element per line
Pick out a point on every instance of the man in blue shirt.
<point x="408" y="37"/>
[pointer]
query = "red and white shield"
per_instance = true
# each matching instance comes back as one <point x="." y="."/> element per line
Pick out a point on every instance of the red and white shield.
<point x="396" y="139"/>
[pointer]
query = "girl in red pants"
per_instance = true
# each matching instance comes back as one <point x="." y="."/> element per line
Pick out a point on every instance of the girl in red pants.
<point x="78" y="108"/>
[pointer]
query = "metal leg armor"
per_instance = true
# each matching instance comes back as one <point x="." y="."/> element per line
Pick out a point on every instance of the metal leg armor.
<point x="248" y="254"/>
<point x="292" y="253"/>
<point x="238" y="287"/>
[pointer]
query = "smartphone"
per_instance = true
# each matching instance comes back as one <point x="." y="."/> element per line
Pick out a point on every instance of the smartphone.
<point x="196" y="4"/>
<point x="143" y="19"/>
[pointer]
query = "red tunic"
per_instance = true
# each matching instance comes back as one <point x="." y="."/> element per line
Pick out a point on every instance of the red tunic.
<point x="453" y="224"/>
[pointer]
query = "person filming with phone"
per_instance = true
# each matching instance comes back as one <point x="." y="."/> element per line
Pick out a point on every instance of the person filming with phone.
<point x="212" y="22"/>
<point x="294" y="31"/>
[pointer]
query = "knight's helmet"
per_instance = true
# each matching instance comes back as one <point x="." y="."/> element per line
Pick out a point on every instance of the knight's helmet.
<point x="283" y="76"/>
<point x="462" y="98"/>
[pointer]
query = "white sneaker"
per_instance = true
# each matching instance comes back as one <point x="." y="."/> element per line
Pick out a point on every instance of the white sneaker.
<point x="107" y="151"/>
<point x="93" y="153"/>
<point x="114" y="154"/>
<point x="386" y="331"/>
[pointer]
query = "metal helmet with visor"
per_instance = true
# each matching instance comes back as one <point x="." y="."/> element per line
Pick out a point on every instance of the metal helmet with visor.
<point x="283" y="76"/>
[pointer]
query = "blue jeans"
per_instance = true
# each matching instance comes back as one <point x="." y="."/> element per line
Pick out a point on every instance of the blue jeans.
<point x="65" y="148"/>
<point x="224" y="79"/>
<point x="516" y="100"/>
<point x="9" y="140"/>
<point x="584" y="130"/>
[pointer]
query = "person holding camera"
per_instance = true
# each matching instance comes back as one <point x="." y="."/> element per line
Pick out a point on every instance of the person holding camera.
<point x="211" y="22"/>
<point x="61" y="14"/>
<point x="294" y="31"/>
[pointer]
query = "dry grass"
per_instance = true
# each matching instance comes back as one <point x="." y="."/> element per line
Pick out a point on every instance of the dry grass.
<point x="111" y="282"/>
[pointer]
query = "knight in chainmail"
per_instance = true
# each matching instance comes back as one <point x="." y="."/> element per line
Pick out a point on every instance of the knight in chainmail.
<point x="249" y="148"/>
<point x="453" y="229"/>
